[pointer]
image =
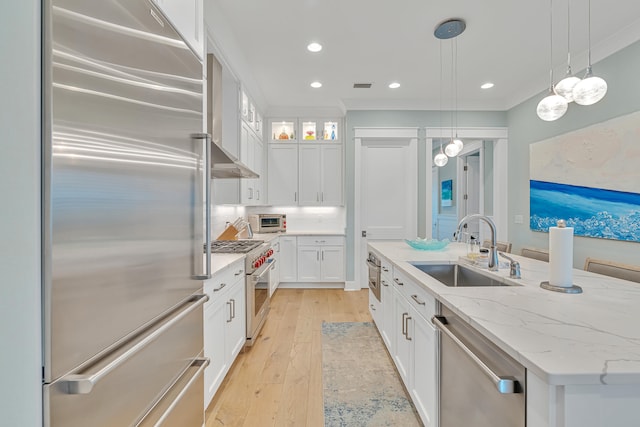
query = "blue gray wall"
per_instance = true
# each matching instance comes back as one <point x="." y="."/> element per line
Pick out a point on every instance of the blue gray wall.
<point x="622" y="73"/>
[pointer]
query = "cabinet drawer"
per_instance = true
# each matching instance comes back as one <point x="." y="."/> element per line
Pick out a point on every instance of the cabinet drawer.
<point x="320" y="240"/>
<point x="386" y="269"/>
<point x="222" y="281"/>
<point x="418" y="297"/>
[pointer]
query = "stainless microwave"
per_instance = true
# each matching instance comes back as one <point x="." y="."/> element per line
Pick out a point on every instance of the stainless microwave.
<point x="268" y="223"/>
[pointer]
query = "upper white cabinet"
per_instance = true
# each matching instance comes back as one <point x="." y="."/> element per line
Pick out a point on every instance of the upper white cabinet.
<point x="320" y="180"/>
<point x="283" y="174"/>
<point x="305" y="162"/>
<point x="187" y="17"/>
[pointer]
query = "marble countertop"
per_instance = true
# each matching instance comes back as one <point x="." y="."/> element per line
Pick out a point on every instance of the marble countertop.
<point x="588" y="338"/>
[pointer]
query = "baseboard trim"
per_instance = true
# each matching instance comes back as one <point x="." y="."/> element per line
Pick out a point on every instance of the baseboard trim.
<point x="312" y="285"/>
<point x="351" y="285"/>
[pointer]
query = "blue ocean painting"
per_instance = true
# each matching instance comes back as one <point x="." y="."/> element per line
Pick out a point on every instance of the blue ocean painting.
<point x="592" y="212"/>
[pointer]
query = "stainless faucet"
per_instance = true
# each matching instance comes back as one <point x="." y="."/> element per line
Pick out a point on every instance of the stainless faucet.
<point x="493" y="250"/>
<point x="514" y="267"/>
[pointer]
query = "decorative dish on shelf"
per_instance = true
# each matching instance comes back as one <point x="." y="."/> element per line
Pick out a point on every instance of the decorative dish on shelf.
<point x="427" y="244"/>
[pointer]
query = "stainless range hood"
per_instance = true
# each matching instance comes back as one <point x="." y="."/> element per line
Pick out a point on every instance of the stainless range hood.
<point x="223" y="163"/>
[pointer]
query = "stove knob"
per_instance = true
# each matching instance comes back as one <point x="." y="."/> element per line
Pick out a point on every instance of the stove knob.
<point x="270" y="252"/>
<point x="263" y="259"/>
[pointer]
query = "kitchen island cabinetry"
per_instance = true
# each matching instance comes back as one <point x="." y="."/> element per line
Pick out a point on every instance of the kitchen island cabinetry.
<point x="224" y="324"/>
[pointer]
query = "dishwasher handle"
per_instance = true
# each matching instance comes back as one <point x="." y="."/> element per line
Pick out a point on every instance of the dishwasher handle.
<point x="505" y="385"/>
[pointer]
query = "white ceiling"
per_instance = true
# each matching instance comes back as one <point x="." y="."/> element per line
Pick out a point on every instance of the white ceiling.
<point x="375" y="41"/>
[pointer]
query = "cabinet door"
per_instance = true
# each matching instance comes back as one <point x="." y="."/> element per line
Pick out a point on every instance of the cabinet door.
<point x="332" y="258"/>
<point x="258" y="157"/>
<point x="186" y="17"/>
<point x="236" y="321"/>
<point x="375" y="308"/>
<point x="309" y="177"/>
<point x="331" y="175"/>
<point x="402" y="322"/>
<point x="309" y="264"/>
<point x="388" y="307"/>
<point x="246" y="148"/>
<point x="289" y="259"/>
<point x="214" y="347"/>
<point x="283" y="174"/>
<point x="423" y="370"/>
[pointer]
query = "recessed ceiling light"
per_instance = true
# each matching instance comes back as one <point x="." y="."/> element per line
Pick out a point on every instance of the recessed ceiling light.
<point x="314" y="47"/>
<point x="394" y="85"/>
<point x="487" y="85"/>
<point x="316" y="85"/>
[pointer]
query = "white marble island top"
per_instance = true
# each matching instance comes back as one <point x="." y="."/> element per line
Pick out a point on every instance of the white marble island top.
<point x="588" y="338"/>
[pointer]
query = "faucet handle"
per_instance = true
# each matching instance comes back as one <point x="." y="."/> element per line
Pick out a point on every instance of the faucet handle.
<point x="514" y="267"/>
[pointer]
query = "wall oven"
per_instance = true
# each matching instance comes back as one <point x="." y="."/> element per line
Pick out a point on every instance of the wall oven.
<point x="373" y="263"/>
<point x="258" y="265"/>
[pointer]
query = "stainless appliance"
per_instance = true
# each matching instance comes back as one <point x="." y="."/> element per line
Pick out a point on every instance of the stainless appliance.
<point x="268" y="223"/>
<point x="373" y="264"/>
<point x="124" y="179"/>
<point x="234" y="246"/>
<point x="258" y="266"/>
<point x="480" y="385"/>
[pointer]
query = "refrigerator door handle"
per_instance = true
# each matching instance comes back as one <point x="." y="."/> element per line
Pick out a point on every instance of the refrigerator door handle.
<point x="83" y="383"/>
<point x="201" y="363"/>
<point x="207" y="202"/>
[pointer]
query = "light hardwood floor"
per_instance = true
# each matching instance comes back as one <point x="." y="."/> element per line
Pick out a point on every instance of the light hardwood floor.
<point x="278" y="382"/>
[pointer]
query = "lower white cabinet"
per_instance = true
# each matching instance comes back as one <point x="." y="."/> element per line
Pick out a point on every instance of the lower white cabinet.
<point x="224" y="324"/>
<point x="288" y="258"/>
<point x="403" y="318"/>
<point x="321" y="259"/>
<point x="274" y="276"/>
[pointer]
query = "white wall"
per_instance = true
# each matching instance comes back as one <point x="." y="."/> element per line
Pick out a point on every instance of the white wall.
<point x="20" y="331"/>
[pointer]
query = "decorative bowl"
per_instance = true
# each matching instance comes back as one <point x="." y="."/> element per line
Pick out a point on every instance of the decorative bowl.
<point x="427" y="244"/>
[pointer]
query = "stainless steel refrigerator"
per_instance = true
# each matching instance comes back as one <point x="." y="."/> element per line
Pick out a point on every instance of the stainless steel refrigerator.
<point x="124" y="185"/>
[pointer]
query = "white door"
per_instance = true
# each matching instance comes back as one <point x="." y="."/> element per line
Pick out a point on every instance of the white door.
<point x="388" y="194"/>
<point x="471" y="192"/>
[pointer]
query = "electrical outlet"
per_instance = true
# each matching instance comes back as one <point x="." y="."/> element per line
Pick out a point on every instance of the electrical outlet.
<point x="518" y="219"/>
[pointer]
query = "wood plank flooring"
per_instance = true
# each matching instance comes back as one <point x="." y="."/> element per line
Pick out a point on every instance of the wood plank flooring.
<point x="278" y="382"/>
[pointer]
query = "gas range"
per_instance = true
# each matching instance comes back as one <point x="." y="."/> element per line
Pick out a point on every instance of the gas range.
<point x="234" y="246"/>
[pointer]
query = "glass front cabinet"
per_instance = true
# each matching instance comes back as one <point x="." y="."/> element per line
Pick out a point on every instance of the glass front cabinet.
<point x="321" y="130"/>
<point x="283" y="130"/>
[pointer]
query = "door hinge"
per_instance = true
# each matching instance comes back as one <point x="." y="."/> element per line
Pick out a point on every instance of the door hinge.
<point x="364" y="233"/>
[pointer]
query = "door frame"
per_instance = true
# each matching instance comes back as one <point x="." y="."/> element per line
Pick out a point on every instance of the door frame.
<point x="499" y="137"/>
<point x="361" y="134"/>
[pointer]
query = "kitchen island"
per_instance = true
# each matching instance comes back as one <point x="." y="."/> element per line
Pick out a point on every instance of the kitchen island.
<point x="581" y="351"/>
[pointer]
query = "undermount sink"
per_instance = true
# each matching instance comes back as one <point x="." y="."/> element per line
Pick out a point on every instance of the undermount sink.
<point x="455" y="275"/>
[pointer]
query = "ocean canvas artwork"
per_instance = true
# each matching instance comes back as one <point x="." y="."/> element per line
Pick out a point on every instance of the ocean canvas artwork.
<point x="591" y="179"/>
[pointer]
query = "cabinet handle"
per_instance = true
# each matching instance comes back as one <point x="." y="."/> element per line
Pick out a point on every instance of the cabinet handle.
<point x="322" y="196"/>
<point x="233" y="308"/>
<point x="257" y="194"/>
<point x="295" y="196"/>
<point x="239" y="272"/>
<point x="317" y="255"/>
<point x="222" y="285"/>
<point x="230" y="316"/>
<point x="415" y="298"/>
<point x="317" y="197"/>
<point x="385" y="269"/>
<point x="404" y="324"/>
<point x="407" y="328"/>
<point x="322" y="255"/>
<point x="398" y="281"/>
<point x="384" y="283"/>
<point x="372" y="307"/>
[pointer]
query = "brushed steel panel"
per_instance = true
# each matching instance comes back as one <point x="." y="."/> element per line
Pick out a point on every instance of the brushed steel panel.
<point x="123" y="197"/>
<point x="123" y="397"/>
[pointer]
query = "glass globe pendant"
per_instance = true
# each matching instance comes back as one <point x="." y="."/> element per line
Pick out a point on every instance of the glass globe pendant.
<point x="590" y="89"/>
<point x="440" y="159"/>
<point x="454" y="147"/>
<point x="552" y="107"/>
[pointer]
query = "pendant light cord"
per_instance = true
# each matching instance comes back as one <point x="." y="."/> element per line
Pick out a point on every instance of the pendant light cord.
<point x="589" y="27"/>
<point x="569" y="36"/>
<point x="551" y="45"/>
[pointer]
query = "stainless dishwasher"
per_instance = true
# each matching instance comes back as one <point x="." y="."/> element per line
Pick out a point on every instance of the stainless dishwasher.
<point x="480" y="385"/>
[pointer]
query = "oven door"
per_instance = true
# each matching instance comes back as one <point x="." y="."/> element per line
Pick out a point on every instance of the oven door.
<point x="257" y="300"/>
<point x="374" y="278"/>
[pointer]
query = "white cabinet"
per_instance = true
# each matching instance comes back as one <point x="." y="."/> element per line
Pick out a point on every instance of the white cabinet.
<point x="375" y="308"/>
<point x="320" y="178"/>
<point x="252" y="155"/>
<point x="224" y="324"/>
<point x="187" y="17"/>
<point x="288" y="259"/>
<point x="406" y="329"/>
<point x="283" y="174"/>
<point x="320" y="259"/>
<point x="274" y="276"/>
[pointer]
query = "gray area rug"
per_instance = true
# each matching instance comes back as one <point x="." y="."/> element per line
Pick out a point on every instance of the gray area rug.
<point x="361" y="386"/>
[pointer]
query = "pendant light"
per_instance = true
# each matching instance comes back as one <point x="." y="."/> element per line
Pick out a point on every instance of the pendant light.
<point x="440" y="159"/>
<point x="454" y="147"/>
<point x="590" y="89"/>
<point x="553" y="106"/>
<point x="566" y="85"/>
